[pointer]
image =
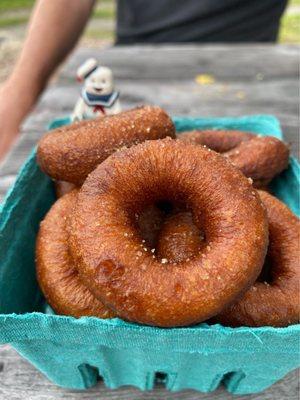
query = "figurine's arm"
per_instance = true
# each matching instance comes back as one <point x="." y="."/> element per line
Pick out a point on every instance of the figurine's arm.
<point x="78" y="110"/>
<point x="53" y="31"/>
<point x="117" y="107"/>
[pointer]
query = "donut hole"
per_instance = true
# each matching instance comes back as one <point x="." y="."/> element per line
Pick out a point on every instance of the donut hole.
<point x="267" y="272"/>
<point x="274" y="261"/>
<point x="166" y="206"/>
<point x="150" y="205"/>
<point x="190" y="188"/>
<point x="148" y="224"/>
<point x="169" y="230"/>
<point x="150" y="219"/>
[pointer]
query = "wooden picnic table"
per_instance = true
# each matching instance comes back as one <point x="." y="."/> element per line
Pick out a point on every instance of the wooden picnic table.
<point x="244" y="79"/>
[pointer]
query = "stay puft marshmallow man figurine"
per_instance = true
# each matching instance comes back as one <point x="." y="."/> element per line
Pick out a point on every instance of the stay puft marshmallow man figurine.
<point x="98" y="97"/>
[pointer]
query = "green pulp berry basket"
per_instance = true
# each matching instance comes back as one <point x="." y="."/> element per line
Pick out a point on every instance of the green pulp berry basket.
<point x="73" y="352"/>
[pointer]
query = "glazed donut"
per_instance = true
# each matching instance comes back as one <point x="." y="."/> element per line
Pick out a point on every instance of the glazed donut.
<point x="56" y="272"/>
<point x="179" y="239"/>
<point x="217" y="140"/>
<point x="260" y="159"/>
<point x="125" y="275"/>
<point x="62" y="188"/>
<point x="274" y="298"/>
<point x="71" y="154"/>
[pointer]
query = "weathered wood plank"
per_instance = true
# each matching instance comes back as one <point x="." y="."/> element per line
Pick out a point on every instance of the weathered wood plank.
<point x="232" y="62"/>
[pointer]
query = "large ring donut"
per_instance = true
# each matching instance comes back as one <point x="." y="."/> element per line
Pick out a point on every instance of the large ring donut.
<point x="274" y="298"/>
<point x="71" y="154"/>
<point x="217" y="140"/>
<point x="56" y="272"/>
<point x="125" y="275"/>
<point x="260" y="159"/>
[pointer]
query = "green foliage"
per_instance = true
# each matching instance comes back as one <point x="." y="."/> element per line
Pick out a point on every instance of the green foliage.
<point x="8" y="5"/>
<point x="13" y="21"/>
<point x="104" y="13"/>
<point x="102" y="34"/>
<point x="290" y="29"/>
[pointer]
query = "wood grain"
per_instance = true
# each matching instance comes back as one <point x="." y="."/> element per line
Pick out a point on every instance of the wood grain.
<point x="252" y="79"/>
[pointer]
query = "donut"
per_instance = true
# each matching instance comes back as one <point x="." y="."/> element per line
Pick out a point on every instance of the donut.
<point x="273" y="300"/>
<point x="56" y="272"/>
<point x="129" y="278"/>
<point x="217" y="140"/>
<point x="260" y="159"/>
<point x="179" y="238"/>
<point x="71" y="154"/>
<point x="62" y="188"/>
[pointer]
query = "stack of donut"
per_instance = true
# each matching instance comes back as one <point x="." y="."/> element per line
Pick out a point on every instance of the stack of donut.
<point x="165" y="230"/>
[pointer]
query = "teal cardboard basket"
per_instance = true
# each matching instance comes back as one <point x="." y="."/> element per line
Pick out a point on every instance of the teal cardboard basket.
<point x="73" y="352"/>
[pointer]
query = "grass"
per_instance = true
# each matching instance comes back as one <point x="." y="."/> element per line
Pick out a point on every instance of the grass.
<point x="103" y="34"/>
<point x="12" y="21"/>
<point x="104" y="13"/>
<point x="290" y="29"/>
<point x="10" y="5"/>
<point x="96" y="33"/>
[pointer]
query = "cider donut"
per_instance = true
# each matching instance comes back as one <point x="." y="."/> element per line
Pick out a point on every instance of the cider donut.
<point x="217" y="140"/>
<point x="127" y="277"/>
<point x="56" y="272"/>
<point x="62" y="188"/>
<point x="260" y="159"/>
<point x="71" y="154"/>
<point x="274" y="298"/>
<point x="179" y="238"/>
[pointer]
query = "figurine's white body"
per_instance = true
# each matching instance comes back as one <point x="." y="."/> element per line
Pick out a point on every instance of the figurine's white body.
<point x="98" y="97"/>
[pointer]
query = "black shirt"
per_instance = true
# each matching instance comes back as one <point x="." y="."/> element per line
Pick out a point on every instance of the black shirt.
<point x="167" y="21"/>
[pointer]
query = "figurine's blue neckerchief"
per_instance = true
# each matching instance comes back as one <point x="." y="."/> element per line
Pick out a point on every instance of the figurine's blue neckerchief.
<point x="104" y="100"/>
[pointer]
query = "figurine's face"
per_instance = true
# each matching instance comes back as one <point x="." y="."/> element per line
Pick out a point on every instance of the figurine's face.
<point x="100" y="81"/>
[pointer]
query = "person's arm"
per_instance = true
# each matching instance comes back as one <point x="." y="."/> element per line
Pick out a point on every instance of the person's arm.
<point x="53" y="31"/>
